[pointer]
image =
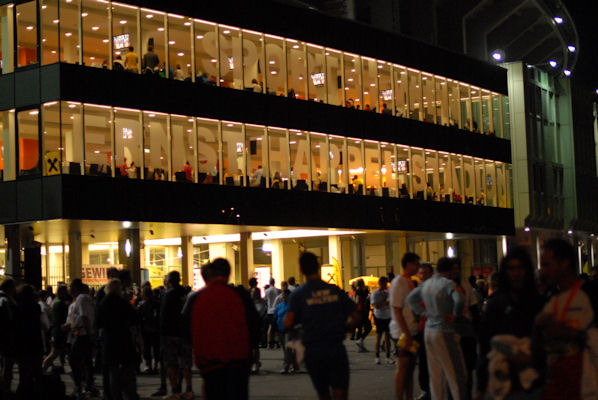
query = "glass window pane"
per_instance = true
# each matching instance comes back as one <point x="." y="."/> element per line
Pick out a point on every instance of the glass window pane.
<point x="468" y="180"/>
<point x="255" y="145"/>
<point x="442" y="103"/>
<point x="6" y="38"/>
<point x="124" y="31"/>
<point x="373" y="177"/>
<point x="207" y="152"/>
<point x="278" y="156"/>
<point x="27" y="125"/>
<point x="355" y="164"/>
<point x="51" y="148"/>
<point x="466" y="118"/>
<point x="454" y="99"/>
<point x="127" y="136"/>
<point x="486" y="113"/>
<point x="370" y="84"/>
<point x="299" y="151"/>
<point x="401" y="91"/>
<point x="69" y="31"/>
<point x="179" y="47"/>
<point x="96" y="33"/>
<point x="501" y="188"/>
<point x="183" y="148"/>
<point x="276" y="65"/>
<point x="231" y="73"/>
<point x="479" y="182"/>
<point x="509" y="185"/>
<point x="26" y="34"/>
<point x="49" y="31"/>
<point x="156" y="145"/>
<point x="418" y="176"/>
<point x="415" y="95"/>
<point x="296" y="67"/>
<point x="319" y="162"/>
<point x="432" y="179"/>
<point x="490" y="183"/>
<point x="7" y="161"/>
<point x="333" y="75"/>
<point x="253" y="61"/>
<point x="385" y="88"/>
<point x="388" y="170"/>
<point x="444" y="177"/>
<point x="403" y="170"/>
<point x="429" y="99"/>
<point x="506" y="119"/>
<point x="233" y="151"/>
<point x="153" y="44"/>
<point x="206" y="52"/>
<point x="457" y="178"/>
<point x="338" y="165"/>
<point x="476" y="108"/>
<point x="352" y="81"/>
<point x="317" y="75"/>
<point x="72" y="137"/>
<point x="496" y="125"/>
<point x="98" y="140"/>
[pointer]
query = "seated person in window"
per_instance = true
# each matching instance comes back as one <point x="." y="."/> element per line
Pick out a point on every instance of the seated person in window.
<point x="457" y="197"/>
<point x="385" y="109"/>
<point x="118" y="65"/>
<point x="481" y="200"/>
<point x="430" y="192"/>
<point x="256" y="177"/>
<point x="403" y="191"/>
<point x="277" y="181"/>
<point x="124" y="167"/>
<point x="188" y="171"/>
<point x="132" y="170"/>
<point x="257" y="88"/>
<point x="367" y="108"/>
<point x="356" y="182"/>
<point x="441" y="192"/>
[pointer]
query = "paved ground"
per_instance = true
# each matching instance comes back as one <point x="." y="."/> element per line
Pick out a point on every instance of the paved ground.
<point x="368" y="380"/>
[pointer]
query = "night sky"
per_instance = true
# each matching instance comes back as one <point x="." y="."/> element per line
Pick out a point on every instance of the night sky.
<point x="585" y="15"/>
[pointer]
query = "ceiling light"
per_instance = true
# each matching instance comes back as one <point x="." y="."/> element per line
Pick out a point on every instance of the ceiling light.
<point x="497" y="56"/>
<point x="122" y="22"/>
<point x="552" y="63"/>
<point x="68" y="34"/>
<point x="29" y="28"/>
<point x="527" y="229"/>
<point x="84" y="14"/>
<point x="181" y="54"/>
<point x="149" y="16"/>
<point x="558" y="20"/>
<point x="226" y="32"/>
<point x="571" y="48"/>
<point x="199" y="37"/>
<point x="161" y="29"/>
<point x="567" y="72"/>
<point x="95" y="28"/>
<point x="171" y="42"/>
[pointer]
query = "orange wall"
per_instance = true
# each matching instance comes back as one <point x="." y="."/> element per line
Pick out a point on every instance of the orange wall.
<point x="28" y="153"/>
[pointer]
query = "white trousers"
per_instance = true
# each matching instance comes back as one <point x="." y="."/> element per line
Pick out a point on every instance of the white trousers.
<point x="445" y="365"/>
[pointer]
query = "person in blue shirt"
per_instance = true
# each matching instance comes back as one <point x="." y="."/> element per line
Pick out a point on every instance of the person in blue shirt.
<point x="290" y="359"/>
<point x="325" y="312"/>
<point x="443" y="305"/>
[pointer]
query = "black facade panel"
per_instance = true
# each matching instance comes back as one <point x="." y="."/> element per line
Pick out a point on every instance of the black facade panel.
<point x="29" y="200"/>
<point x="50" y="82"/>
<point x="98" y="198"/>
<point x="8" y="202"/>
<point x="27" y="88"/>
<point x="52" y="204"/>
<point x="7" y="89"/>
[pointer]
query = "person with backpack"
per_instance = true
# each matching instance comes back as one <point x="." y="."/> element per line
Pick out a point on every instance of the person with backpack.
<point x="289" y="358"/>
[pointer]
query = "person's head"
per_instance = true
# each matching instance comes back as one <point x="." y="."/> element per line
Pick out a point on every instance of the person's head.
<point x="456" y="270"/>
<point x="9" y="287"/>
<point x="147" y="292"/>
<point x="131" y="48"/>
<point x="285" y="294"/>
<point x="112" y="273"/>
<point x="558" y="262"/>
<point x="252" y="282"/>
<point x="43" y="295"/>
<point x="254" y="81"/>
<point x="425" y="272"/>
<point x="292" y="281"/>
<point x="114" y="287"/>
<point x="382" y="282"/>
<point x="26" y="294"/>
<point x="173" y="278"/>
<point x="272" y="281"/>
<point x="516" y="272"/>
<point x="76" y="287"/>
<point x="150" y="47"/>
<point x="187" y="163"/>
<point x="219" y="269"/>
<point x="284" y="285"/>
<point x="124" y="275"/>
<point x="410" y="263"/>
<point x="118" y="57"/>
<point x="308" y="263"/>
<point x="360" y="284"/>
<point x="445" y="267"/>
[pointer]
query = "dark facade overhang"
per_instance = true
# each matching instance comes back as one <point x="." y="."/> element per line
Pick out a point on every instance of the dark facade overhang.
<point x="99" y="198"/>
<point x="92" y="85"/>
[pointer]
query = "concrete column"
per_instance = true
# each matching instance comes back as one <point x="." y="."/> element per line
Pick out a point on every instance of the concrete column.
<point x="285" y="260"/>
<point x="74" y="255"/>
<point x="246" y="269"/>
<point x="13" y="251"/>
<point x="187" y="261"/>
<point x="227" y="251"/>
<point x="278" y="260"/>
<point x="129" y="252"/>
<point x="335" y="257"/>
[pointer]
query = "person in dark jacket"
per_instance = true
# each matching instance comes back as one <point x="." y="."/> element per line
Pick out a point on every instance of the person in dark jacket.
<point x="29" y="344"/>
<point x="8" y="310"/>
<point x="116" y="317"/>
<point x="149" y="319"/>
<point x="60" y="307"/>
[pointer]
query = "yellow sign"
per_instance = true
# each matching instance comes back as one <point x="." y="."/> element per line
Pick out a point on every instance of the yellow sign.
<point x="331" y="273"/>
<point x="52" y="163"/>
<point x="96" y="274"/>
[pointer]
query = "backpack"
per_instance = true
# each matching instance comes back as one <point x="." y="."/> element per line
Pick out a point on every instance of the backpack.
<point x="280" y="314"/>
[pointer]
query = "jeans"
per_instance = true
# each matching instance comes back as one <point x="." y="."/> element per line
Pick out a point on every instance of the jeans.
<point x="122" y="381"/>
<point x="81" y="362"/>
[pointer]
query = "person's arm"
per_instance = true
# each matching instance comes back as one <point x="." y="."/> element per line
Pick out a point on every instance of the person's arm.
<point x="414" y="300"/>
<point x="458" y="301"/>
<point x="289" y="320"/>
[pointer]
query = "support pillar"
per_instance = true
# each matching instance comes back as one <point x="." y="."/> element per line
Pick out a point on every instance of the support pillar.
<point x="13" y="251"/>
<point x="246" y="268"/>
<point x="187" y="273"/>
<point x="285" y="260"/>
<point x="335" y="257"/>
<point x="129" y="253"/>
<point x="74" y="255"/>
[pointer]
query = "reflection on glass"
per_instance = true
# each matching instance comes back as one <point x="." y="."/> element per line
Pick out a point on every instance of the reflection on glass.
<point x="370" y="84"/>
<point x="401" y="92"/>
<point x="179" y="47"/>
<point x="27" y="126"/>
<point x="26" y="34"/>
<point x="233" y="151"/>
<point x="72" y="138"/>
<point x="299" y="151"/>
<point x="490" y="183"/>
<point x="69" y="31"/>
<point x="466" y="117"/>
<point x="476" y="109"/>
<point x="49" y="31"/>
<point x="373" y="178"/>
<point x="125" y="39"/>
<point x="278" y="156"/>
<point x="501" y="184"/>
<point x="338" y="165"/>
<point x="418" y="175"/>
<point x="454" y="98"/>
<point x="7" y="155"/>
<point x="444" y="177"/>
<point x="319" y="162"/>
<point x="415" y="95"/>
<point x="457" y="190"/>
<point x="156" y="146"/>
<point x="317" y="79"/>
<point x="432" y="178"/>
<point x="98" y="140"/>
<point x="442" y="102"/>
<point x="276" y="66"/>
<point x="429" y="98"/>
<point x="496" y="124"/>
<point x="480" y="185"/>
<point x="355" y="164"/>
<point x="403" y="167"/>
<point x="506" y="118"/>
<point x="207" y="152"/>
<point x="231" y="56"/>
<point x="206" y="52"/>
<point x="468" y="180"/>
<point x="51" y="148"/>
<point x="334" y="76"/>
<point x="385" y="93"/>
<point x="486" y="113"/>
<point x="352" y="81"/>
<point x="388" y="170"/>
<point x="96" y="33"/>
<point x="257" y="152"/>
<point x="297" y="70"/>
<point x="128" y="143"/>
<point x="253" y="61"/>
<point x="183" y="148"/>
<point x="6" y="39"/>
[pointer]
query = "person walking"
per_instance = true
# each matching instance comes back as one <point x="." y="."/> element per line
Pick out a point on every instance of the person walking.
<point x="60" y="307"/>
<point x="149" y="319"/>
<point x="116" y="316"/>
<point x="224" y="329"/>
<point x="362" y="298"/>
<point x="324" y="311"/>
<point x="380" y="300"/>
<point x="403" y="325"/>
<point x="443" y="305"/>
<point x="8" y="335"/>
<point x="289" y="363"/>
<point x="271" y="294"/>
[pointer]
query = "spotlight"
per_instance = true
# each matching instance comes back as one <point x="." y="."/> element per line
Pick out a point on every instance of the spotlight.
<point x="567" y="72"/>
<point x="571" y="48"/>
<point x="498" y="55"/>
<point x="552" y="63"/>
<point x="527" y="229"/>
<point x="558" y="20"/>
<point x="570" y="232"/>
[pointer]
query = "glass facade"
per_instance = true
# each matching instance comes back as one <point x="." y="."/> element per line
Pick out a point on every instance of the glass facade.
<point x="92" y="139"/>
<point x="111" y="35"/>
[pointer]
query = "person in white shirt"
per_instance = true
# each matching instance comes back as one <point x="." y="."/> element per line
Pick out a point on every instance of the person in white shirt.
<point x="403" y="322"/>
<point x="379" y="299"/>
<point x="271" y="294"/>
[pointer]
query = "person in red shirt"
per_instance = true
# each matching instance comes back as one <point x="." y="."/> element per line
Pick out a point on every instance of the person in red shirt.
<point x="224" y="328"/>
<point x="188" y="171"/>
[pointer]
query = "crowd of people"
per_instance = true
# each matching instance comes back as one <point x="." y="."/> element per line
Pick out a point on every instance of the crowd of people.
<point x="526" y="335"/>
